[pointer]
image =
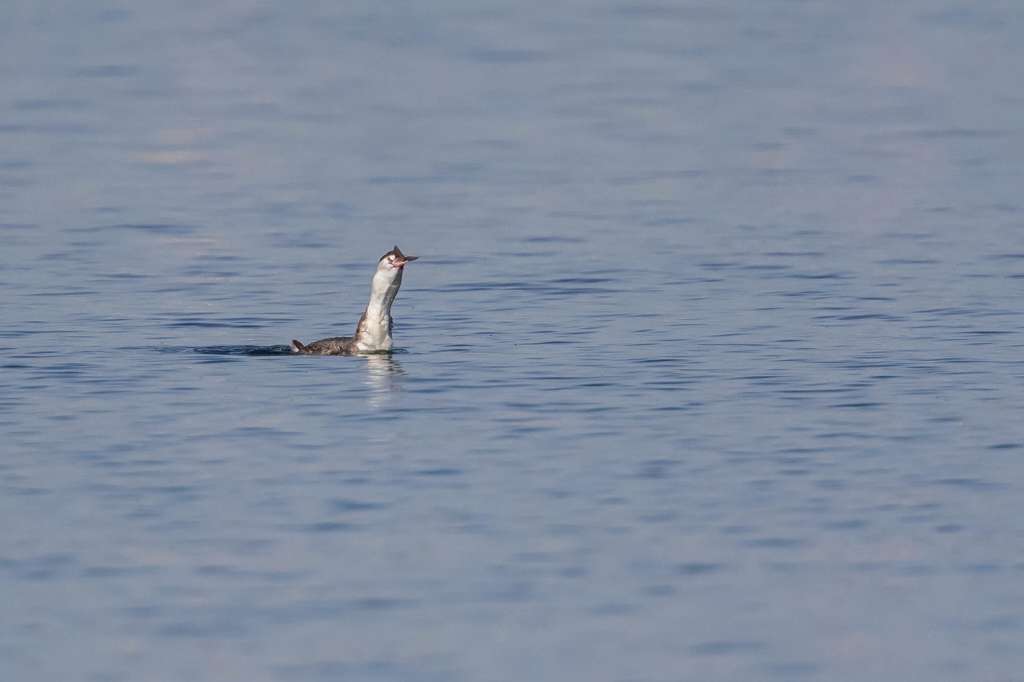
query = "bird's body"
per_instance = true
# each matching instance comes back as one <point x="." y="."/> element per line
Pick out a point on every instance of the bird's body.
<point x="336" y="345"/>
<point x="373" y="332"/>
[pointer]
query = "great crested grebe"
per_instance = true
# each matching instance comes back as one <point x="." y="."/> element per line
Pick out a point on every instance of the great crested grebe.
<point x="373" y="333"/>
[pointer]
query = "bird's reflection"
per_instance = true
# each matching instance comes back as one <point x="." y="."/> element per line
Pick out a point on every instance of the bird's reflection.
<point x="383" y="378"/>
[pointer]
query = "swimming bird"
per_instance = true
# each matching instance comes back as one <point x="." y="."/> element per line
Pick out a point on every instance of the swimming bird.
<point x="373" y="332"/>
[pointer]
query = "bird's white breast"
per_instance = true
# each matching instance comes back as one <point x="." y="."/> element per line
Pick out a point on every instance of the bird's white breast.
<point x="375" y="335"/>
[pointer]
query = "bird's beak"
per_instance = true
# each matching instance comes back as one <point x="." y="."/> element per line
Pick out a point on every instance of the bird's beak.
<point x="405" y="259"/>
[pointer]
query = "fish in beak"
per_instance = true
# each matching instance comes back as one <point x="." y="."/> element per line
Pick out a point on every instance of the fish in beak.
<point x="400" y="258"/>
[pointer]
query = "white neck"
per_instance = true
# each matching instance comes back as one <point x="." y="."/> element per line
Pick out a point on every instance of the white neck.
<point x="374" y="330"/>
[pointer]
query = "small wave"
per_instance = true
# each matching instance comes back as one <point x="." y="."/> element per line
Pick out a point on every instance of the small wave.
<point x="243" y="350"/>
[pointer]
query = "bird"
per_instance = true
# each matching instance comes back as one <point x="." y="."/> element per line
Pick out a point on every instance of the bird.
<point x="373" y="332"/>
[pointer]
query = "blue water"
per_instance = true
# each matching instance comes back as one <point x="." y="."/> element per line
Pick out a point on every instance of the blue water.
<point x="711" y="367"/>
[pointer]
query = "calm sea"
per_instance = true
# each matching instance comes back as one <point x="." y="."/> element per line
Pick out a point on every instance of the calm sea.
<point x="711" y="367"/>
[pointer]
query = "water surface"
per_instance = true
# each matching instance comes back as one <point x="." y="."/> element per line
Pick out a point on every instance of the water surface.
<point x="710" y="368"/>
